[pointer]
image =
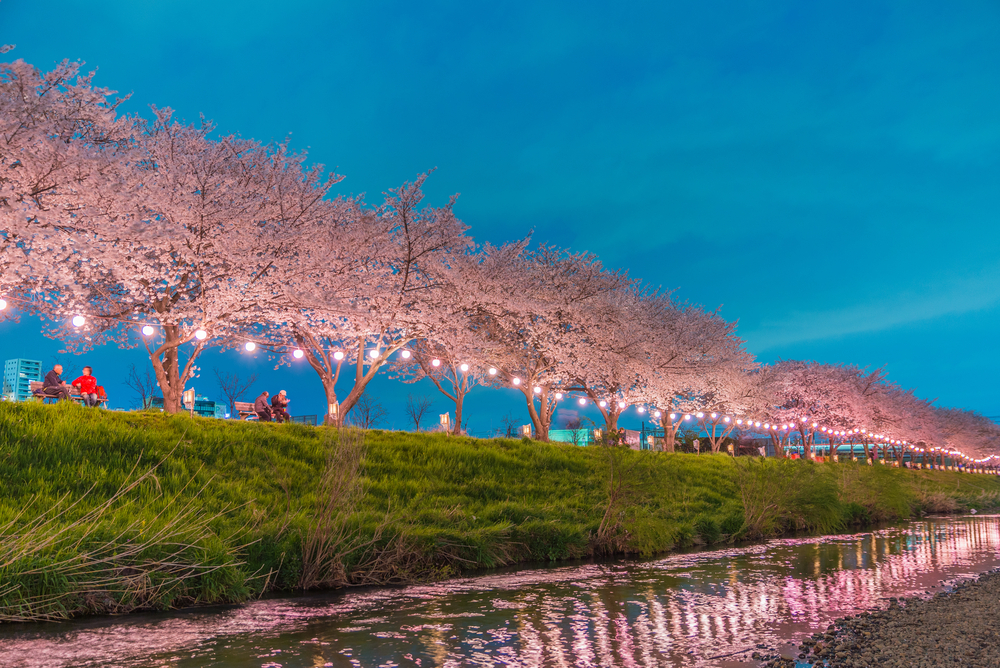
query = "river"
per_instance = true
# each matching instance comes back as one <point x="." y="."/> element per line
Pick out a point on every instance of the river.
<point x="706" y="608"/>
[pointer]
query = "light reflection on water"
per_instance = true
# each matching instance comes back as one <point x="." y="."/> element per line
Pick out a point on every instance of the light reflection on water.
<point x="693" y="609"/>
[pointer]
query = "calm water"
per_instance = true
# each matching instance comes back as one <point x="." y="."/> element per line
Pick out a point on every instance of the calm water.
<point x="684" y="610"/>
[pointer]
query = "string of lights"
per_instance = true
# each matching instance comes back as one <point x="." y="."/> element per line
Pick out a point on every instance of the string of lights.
<point x="200" y="335"/>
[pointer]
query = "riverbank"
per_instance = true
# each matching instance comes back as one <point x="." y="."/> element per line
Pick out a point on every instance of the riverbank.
<point x="954" y="628"/>
<point x="114" y="512"/>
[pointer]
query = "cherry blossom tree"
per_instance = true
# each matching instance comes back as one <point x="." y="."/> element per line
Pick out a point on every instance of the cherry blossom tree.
<point x="608" y="362"/>
<point x="810" y="393"/>
<point x="531" y="308"/>
<point x="173" y="244"/>
<point x="694" y="361"/>
<point x="362" y="284"/>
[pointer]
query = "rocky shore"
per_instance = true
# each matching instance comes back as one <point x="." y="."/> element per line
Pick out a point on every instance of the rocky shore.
<point x="954" y="628"/>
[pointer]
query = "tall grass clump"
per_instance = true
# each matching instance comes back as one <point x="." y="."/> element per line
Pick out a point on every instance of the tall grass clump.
<point x="75" y="556"/>
<point x="780" y="495"/>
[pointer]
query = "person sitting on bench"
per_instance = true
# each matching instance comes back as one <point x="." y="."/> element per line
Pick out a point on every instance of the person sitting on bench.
<point x="87" y="385"/>
<point x="261" y="408"/>
<point x="53" y="386"/>
<point x="278" y="404"/>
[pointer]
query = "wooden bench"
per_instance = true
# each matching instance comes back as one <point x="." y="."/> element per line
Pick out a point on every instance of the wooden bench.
<point x="74" y="393"/>
<point x="245" y="410"/>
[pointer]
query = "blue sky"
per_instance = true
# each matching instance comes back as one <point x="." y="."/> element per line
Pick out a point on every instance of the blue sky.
<point x="828" y="173"/>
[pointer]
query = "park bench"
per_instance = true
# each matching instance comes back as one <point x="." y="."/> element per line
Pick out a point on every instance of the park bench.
<point x="245" y="410"/>
<point x="74" y="393"/>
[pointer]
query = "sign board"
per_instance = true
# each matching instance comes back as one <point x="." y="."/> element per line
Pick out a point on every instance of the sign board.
<point x="525" y="430"/>
<point x="445" y="419"/>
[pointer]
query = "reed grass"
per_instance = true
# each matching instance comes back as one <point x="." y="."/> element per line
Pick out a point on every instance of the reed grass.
<point x="111" y="512"/>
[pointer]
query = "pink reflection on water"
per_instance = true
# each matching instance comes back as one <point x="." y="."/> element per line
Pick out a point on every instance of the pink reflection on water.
<point x="684" y="610"/>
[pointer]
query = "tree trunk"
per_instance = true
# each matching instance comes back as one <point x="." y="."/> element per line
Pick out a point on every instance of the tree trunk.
<point x="166" y="365"/>
<point x="332" y="407"/>
<point x="779" y="451"/>
<point x="806" y="445"/>
<point x="459" y="400"/>
<point x="669" y="433"/>
<point x="540" y="425"/>
<point x="362" y="377"/>
<point x="609" y="413"/>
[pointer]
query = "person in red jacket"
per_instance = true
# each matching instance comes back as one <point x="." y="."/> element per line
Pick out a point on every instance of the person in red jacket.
<point x="87" y="385"/>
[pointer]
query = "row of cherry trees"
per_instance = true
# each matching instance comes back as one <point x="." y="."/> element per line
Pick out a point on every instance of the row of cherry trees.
<point x="134" y="223"/>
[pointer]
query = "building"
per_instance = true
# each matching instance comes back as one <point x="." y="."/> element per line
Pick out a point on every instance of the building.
<point x="203" y="406"/>
<point x="17" y="377"/>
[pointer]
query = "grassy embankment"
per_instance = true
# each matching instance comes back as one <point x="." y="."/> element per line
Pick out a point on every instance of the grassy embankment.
<point x="112" y="512"/>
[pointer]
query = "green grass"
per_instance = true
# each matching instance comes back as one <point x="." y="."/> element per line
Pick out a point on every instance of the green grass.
<point x="217" y="510"/>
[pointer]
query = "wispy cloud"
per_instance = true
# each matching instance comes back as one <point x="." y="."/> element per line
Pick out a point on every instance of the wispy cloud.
<point x="953" y="297"/>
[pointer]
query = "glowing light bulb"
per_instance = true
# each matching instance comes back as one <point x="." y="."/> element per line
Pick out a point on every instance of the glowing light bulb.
<point x="3" y="304"/>
<point x="435" y="362"/>
<point x="200" y="334"/>
<point x="493" y="371"/>
<point x="78" y="320"/>
<point x="739" y="420"/>
<point x="641" y="409"/>
<point x="657" y="414"/>
<point x="715" y="415"/>
<point x="700" y="415"/>
<point x="464" y="367"/>
<point x="558" y="396"/>
<point x="298" y="354"/>
<point x="687" y="417"/>
<point x="756" y="424"/>
<point x="814" y="425"/>
<point x="405" y="354"/>
<point x="515" y="380"/>
<point x="726" y="419"/>
<point x="603" y="403"/>
<point x="373" y="353"/>
<point x="673" y="416"/>
<point x="250" y="346"/>
<point x="338" y="356"/>
<point x="538" y="390"/>
<point x="621" y="404"/>
<point x="582" y="401"/>
<point x="147" y="330"/>
<point x="767" y="425"/>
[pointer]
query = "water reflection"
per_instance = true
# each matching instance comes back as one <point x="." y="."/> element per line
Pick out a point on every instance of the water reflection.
<point x="700" y="609"/>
